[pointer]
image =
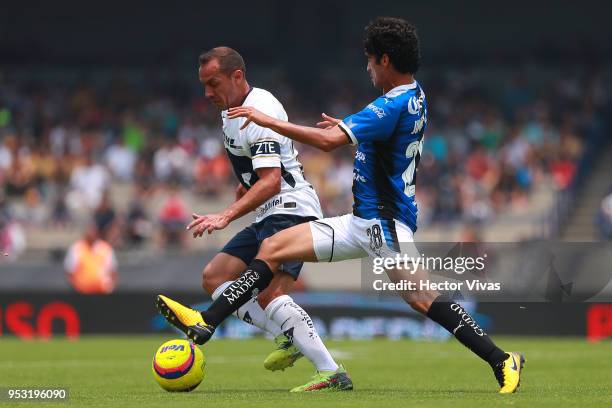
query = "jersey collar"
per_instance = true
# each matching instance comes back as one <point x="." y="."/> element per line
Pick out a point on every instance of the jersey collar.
<point x="398" y="90"/>
<point x="246" y="96"/>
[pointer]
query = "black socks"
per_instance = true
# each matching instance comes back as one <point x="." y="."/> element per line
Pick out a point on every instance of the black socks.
<point x="456" y="320"/>
<point x="256" y="278"/>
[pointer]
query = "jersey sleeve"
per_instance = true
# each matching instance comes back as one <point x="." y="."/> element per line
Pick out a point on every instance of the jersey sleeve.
<point x="375" y="123"/>
<point x="263" y="143"/>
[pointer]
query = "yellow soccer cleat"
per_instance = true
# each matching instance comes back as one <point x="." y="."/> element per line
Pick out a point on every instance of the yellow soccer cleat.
<point x="284" y="356"/>
<point x="508" y="373"/>
<point x="185" y="319"/>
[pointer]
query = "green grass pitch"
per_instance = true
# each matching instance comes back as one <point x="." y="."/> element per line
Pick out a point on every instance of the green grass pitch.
<point x="115" y="371"/>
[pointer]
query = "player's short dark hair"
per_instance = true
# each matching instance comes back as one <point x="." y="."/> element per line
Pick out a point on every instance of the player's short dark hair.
<point x="229" y="59"/>
<point x="398" y="39"/>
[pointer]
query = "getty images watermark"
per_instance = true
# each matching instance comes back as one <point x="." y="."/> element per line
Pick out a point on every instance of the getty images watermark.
<point x="529" y="271"/>
<point x="413" y="273"/>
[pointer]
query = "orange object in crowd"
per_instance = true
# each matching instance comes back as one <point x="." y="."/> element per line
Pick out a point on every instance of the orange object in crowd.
<point x="91" y="267"/>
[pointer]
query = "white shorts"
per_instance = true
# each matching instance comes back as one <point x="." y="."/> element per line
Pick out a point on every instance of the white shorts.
<point x="350" y="237"/>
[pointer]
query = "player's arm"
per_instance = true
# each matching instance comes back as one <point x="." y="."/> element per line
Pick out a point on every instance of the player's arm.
<point x="326" y="139"/>
<point x="240" y="191"/>
<point x="374" y="123"/>
<point x="266" y="187"/>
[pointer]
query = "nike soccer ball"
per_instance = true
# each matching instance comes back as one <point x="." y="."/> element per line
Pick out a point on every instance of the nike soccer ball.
<point x="178" y="365"/>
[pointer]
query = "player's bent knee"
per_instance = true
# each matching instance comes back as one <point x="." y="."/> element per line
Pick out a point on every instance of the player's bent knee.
<point x="210" y="280"/>
<point x="207" y="285"/>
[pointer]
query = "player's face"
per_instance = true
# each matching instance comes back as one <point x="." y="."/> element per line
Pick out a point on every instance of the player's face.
<point x="219" y="88"/>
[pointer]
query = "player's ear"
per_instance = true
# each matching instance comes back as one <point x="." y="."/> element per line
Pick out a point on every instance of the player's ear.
<point x="384" y="60"/>
<point x="238" y="75"/>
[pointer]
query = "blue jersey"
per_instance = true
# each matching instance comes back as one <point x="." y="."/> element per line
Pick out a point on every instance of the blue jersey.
<point x="389" y="134"/>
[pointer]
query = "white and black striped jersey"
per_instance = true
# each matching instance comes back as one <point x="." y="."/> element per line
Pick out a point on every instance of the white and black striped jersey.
<point x="257" y="147"/>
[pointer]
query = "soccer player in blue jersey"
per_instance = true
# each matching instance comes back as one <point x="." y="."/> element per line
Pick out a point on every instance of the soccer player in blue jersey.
<point x="389" y="135"/>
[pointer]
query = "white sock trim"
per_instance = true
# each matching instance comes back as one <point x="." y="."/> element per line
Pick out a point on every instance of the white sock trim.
<point x="275" y="304"/>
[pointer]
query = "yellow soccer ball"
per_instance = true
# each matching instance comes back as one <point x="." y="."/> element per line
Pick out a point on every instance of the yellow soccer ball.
<point x="178" y="365"/>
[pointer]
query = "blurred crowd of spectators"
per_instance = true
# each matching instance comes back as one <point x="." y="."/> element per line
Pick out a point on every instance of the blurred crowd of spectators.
<point x="491" y="139"/>
<point x="484" y="152"/>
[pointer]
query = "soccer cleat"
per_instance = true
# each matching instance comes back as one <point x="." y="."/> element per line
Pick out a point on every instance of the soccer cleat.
<point x="327" y="381"/>
<point x="285" y="355"/>
<point x="508" y="372"/>
<point x="185" y="319"/>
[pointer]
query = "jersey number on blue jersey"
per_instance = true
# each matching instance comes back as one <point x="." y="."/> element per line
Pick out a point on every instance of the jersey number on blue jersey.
<point x="413" y="151"/>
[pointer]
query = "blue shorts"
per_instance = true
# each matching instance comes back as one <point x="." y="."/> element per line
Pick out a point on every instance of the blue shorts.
<point x="245" y="244"/>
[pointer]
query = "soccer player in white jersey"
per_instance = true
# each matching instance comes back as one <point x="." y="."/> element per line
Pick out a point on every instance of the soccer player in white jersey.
<point x="389" y="134"/>
<point x="272" y="184"/>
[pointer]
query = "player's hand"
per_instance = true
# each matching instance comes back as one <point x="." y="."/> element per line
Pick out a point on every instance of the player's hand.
<point x="251" y="114"/>
<point x="240" y="191"/>
<point x="207" y="223"/>
<point x="328" y="122"/>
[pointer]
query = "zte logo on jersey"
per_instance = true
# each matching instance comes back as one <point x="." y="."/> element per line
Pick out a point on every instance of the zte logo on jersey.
<point x="380" y="112"/>
<point x="266" y="147"/>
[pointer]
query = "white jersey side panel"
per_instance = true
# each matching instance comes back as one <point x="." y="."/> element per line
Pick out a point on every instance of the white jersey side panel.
<point x="257" y="147"/>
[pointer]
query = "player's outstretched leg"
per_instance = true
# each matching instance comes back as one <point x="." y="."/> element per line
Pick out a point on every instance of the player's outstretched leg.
<point x="286" y="353"/>
<point x="293" y="244"/>
<point x="220" y="273"/>
<point x="222" y="268"/>
<point x="454" y="318"/>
